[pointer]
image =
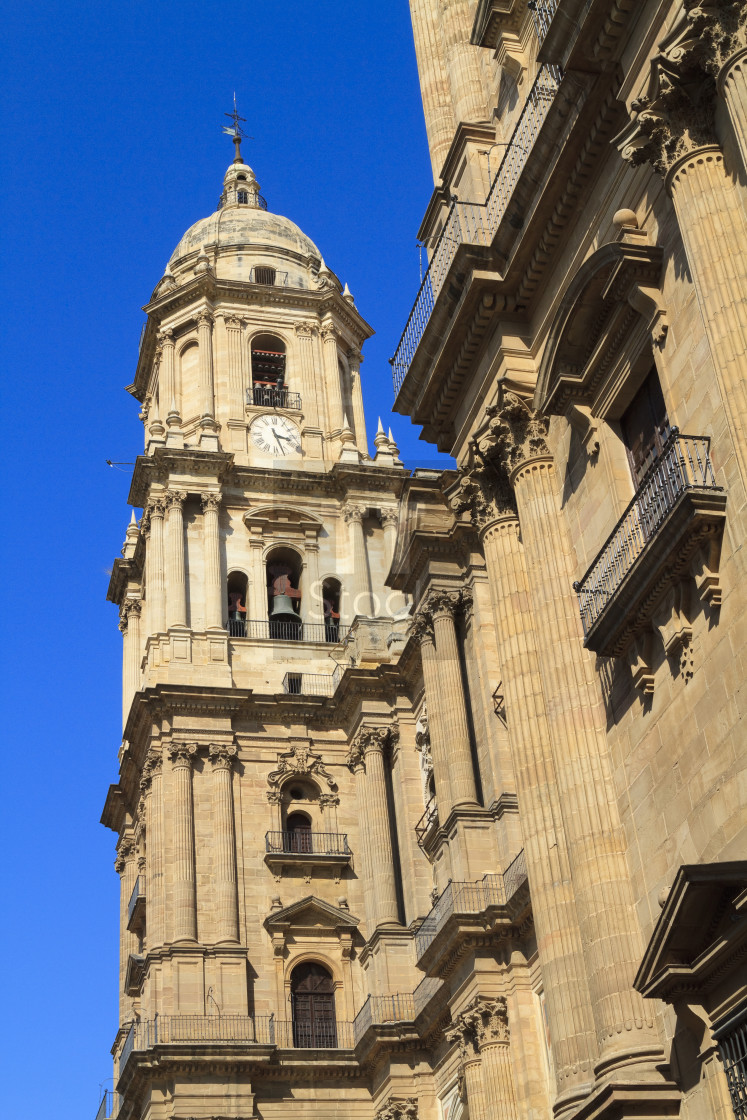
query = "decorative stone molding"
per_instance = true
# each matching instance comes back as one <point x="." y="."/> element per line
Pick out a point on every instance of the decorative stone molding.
<point x="389" y="517"/>
<point x="222" y="756"/>
<point x="175" y="498"/>
<point x="371" y="739"/>
<point x="129" y="607"/>
<point x="353" y="513"/>
<point x="299" y="761"/>
<point x="182" y="754"/>
<point x="398" y="1108"/>
<point x="515" y="433"/>
<point x="484" y="493"/>
<point x="210" y="502"/>
<point x="421" y="627"/>
<point x="306" y="330"/>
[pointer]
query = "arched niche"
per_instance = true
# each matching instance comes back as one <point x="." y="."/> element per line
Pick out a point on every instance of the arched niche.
<point x="599" y="347"/>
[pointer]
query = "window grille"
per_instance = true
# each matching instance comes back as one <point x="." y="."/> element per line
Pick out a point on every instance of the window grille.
<point x="243" y="196"/>
<point x="264" y="275"/>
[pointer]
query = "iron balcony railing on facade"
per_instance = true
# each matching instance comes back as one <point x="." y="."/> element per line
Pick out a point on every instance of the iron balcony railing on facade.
<point x="471" y="898"/>
<point x="262" y="1030"/>
<point x="268" y="630"/>
<point x="401" y="1007"/>
<point x="542" y="13"/>
<point x="267" y="397"/>
<point x="476" y="223"/>
<point x="306" y="842"/>
<point x="312" y="684"/>
<point x="137" y="896"/>
<point x="683" y="465"/>
<point x="732" y="1045"/>
<point x="109" y="1106"/>
<point x="426" y="822"/>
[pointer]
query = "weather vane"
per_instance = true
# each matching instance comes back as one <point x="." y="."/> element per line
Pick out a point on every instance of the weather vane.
<point x="236" y="132"/>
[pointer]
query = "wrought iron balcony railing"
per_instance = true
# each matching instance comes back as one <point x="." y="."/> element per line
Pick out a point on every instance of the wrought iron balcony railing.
<point x="312" y="684"/>
<point x="261" y="1030"/>
<point x="137" y="899"/>
<point x="109" y="1106"/>
<point x="268" y="397"/>
<point x="471" y="898"/>
<point x="426" y="822"/>
<point x="305" y="842"/>
<point x="476" y="223"/>
<point x="267" y="630"/>
<point x="542" y="13"/>
<point x="684" y="466"/>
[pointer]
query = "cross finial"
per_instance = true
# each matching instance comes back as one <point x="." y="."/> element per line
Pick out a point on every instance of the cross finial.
<point x="236" y="133"/>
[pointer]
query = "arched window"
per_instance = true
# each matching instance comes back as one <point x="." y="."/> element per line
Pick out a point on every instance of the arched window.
<point x="236" y="590"/>
<point x="298" y="828"/>
<point x="268" y="371"/>
<point x="283" y="594"/>
<point x="331" y="595"/>
<point x="313" y="1006"/>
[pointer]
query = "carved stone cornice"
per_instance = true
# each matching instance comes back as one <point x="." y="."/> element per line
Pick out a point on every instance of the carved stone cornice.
<point x="210" y="502"/>
<point x="676" y="115"/>
<point x="398" y="1108"/>
<point x="222" y="756"/>
<point x="515" y="433"/>
<point x="182" y="754"/>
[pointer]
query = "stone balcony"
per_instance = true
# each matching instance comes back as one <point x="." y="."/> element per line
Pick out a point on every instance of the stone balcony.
<point x="307" y="850"/>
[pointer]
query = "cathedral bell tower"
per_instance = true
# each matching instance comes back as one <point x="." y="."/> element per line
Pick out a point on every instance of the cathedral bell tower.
<point x="249" y="590"/>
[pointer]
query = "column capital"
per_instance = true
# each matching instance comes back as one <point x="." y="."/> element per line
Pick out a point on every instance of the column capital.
<point x="389" y="517"/>
<point x="440" y="602"/>
<point x="182" y="755"/>
<point x="125" y="852"/>
<point x="205" y="318"/>
<point x="493" y="1027"/>
<point x="156" y="507"/>
<point x="421" y="627"/>
<point x="152" y="766"/>
<point x="371" y="740"/>
<point x="515" y="433"/>
<point x="210" y="501"/>
<point x="305" y="330"/>
<point x="166" y="337"/>
<point x="483" y="492"/>
<point x="464" y="1032"/>
<point x="353" y="513"/>
<point x="354" y="356"/>
<point x="129" y="607"/>
<point x="175" y="499"/>
<point x="221" y="756"/>
<point x="398" y="1108"/>
<point x="234" y="322"/>
<point x="328" y="332"/>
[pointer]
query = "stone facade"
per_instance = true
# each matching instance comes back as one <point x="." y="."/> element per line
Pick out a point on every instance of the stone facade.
<point x="431" y="801"/>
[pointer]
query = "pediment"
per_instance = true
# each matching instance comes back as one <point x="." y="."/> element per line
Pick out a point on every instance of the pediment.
<point x="285" y="518"/>
<point x="311" y="913"/>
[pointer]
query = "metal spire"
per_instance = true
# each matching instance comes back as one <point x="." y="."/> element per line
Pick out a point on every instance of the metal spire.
<point x="236" y="132"/>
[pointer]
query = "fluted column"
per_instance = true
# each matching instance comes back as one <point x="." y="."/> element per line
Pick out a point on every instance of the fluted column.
<point x="184" y="921"/>
<point x="366" y="760"/>
<point x="126" y="867"/>
<point x="497" y="1070"/>
<point x="205" y="344"/>
<point x="486" y="495"/>
<point x="335" y="413"/>
<point x="422" y="631"/>
<point x="465" y="1033"/>
<point x="442" y="606"/>
<point x="395" y="600"/>
<point x="361" y="576"/>
<point x="359" y="420"/>
<point x="309" y="403"/>
<point x="576" y="721"/>
<point x="313" y="600"/>
<point x="257" y="597"/>
<point x="224" y="850"/>
<point x="211" y="543"/>
<point x="440" y="120"/>
<point x="129" y="624"/>
<point x="463" y="62"/>
<point x="155" y="595"/>
<point x="236" y="372"/>
<point x="151" y="786"/>
<point x="176" y="582"/>
<point x="732" y="84"/>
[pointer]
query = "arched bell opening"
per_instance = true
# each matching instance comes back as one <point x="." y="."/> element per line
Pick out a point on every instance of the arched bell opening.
<point x="283" y="567"/>
<point x="313" y="1006"/>
<point x="236" y="591"/>
<point x="268" y="370"/>
<point x="331" y="598"/>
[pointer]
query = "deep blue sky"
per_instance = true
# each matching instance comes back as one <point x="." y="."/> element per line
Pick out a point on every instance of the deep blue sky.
<point x="112" y="147"/>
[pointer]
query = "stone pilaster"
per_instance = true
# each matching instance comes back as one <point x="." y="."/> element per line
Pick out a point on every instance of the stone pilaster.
<point x="313" y="600"/>
<point x="576" y="722"/>
<point x="422" y="630"/>
<point x="211" y="544"/>
<point x="366" y="760"/>
<point x="224" y="851"/>
<point x="673" y="128"/>
<point x="155" y="594"/>
<point x="237" y="380"/>
<point x="359" y="421"/>
<point x="126" y="867"/>
<point x="208" y="426"/>
<point x="151" y="786"/>
<point x="485" y="493"/>
<point x="184" y="919"/>
<point x="305" y="334"/>
<point x="129" y="624"/>
<point x="335" y="413"/>
<point x="353" y="515"/>
<point x="465" y="1032"/>
<point x="450" y="700"/>
<point x="176" y="606"/>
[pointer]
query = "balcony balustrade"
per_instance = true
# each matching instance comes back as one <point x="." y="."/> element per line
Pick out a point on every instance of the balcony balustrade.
<point x="266" y="396"/>
<point x="306" y="842"/>
<point x="677" y="495"/>
<point x="476" y="223"/>
<point x="312" y="684"/>
<point x="542" y="13"/>
<point x="109" y="1106"/>
<point x="469" y="899"/>
<point x="265" y="629"/>
<point x="428" y="821"/>
<point x="401" y="1007"/>
<point x="136" y="905"/>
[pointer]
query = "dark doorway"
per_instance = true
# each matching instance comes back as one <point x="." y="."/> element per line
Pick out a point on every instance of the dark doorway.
<point x="645" y="427"/>
<point x="313" y="1004"/>
<point x="299" y="832"/>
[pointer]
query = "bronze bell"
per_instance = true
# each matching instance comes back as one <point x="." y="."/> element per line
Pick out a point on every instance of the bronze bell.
<point x="282" y="610"/>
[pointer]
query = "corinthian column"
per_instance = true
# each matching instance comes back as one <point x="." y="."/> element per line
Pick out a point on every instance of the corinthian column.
<point x="155" y="597"/>
<point x="167" y="390"/>
<point x="673" y="129"/>
<point x="462" y="61"/>
<point x="305" y="335"/>
<point x="208" y="426"/>
<point x="129" y="624"/>
<point x="151" y="788"/>
<point x="359" y="421"/>
<point x="184" y="885"/>
<point x="176" y="605"/>
<point x="497" y="1071"/>
<point x="126" y="868"/>
<point x="224" y="874"/>
<point x="451" y="702"/>
<point x="335" y="414"/>
<point x="422" y="630"/>
<point x="485" y="493"/>
<point x="440" y="119"/>
<point x="366" y="760"/>
<point x="361" y="576"/>
<point x="211" y="544"/>
<point x="576" y="722"/>
<point x="465" y="1033"/>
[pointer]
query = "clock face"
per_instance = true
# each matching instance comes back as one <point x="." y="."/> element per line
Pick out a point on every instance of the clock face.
<point x="276" y="435"/>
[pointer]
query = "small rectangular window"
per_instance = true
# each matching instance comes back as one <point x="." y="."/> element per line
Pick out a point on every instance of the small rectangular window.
<point x="264" y="275"/>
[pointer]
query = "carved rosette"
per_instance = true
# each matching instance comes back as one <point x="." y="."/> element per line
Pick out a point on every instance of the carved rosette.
<point x="221" y="756"/>
<point x="515" y="433"/>
<point x="182" y="755"/>
<point x="398" y="1108"/>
